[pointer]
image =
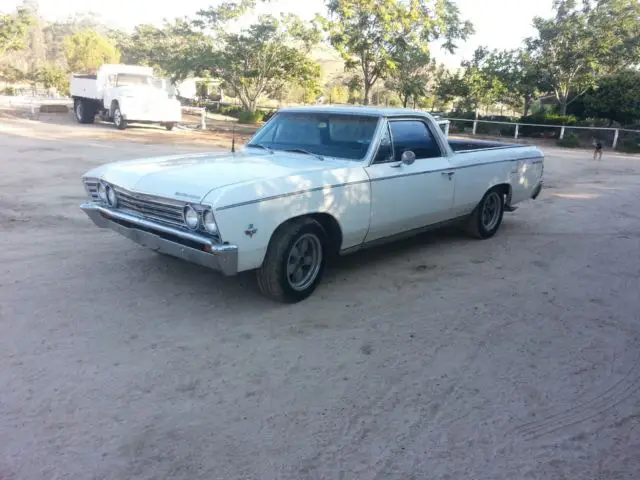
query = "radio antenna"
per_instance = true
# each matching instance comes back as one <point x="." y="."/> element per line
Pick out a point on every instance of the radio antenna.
<point x="233" y="138"/>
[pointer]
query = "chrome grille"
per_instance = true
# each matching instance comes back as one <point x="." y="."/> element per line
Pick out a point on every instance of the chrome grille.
<point x="153" y="208"/>
<point x="91" y="186"/>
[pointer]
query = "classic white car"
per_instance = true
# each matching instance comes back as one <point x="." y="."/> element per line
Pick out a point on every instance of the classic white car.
<point x="312" y="183"/>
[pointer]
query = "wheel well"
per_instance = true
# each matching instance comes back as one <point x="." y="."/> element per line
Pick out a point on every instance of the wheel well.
<point x="114" y="104"/>
<point x="328" y="223"/>
<point x="505" y="189"/>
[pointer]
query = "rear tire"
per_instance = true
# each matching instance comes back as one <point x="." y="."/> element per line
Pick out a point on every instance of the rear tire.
<point x="295" y="261"/>
<point x="486" y="218"/>
<point x="169" y="126"/>
<point x="84" y="111"/>
<point x="118" y="119"/>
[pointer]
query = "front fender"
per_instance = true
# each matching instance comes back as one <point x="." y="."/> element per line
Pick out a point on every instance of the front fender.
<point x="250" y="224"/>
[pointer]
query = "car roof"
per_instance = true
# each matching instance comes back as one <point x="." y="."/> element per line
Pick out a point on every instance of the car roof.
<point x="356" y="110"/>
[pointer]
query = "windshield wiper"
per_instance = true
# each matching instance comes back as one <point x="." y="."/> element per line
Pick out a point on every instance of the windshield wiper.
<point x="259" y="145"/>
<point x="307" y="152"/>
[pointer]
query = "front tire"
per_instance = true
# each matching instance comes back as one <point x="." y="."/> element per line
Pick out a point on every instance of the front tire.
<point x="486" y="219"/>
<point x="169" y="126"/>
<point x="295" y="261"/>
<point x="118" y="119"/>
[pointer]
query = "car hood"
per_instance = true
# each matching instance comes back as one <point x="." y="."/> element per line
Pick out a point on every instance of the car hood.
<point x="191" y="177"/>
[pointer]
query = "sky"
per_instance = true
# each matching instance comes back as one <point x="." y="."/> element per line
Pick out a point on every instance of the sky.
<point x="498" y="23"/>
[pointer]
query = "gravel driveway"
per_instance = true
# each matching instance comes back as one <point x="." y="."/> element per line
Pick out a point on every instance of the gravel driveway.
<point x="439" y="357"/>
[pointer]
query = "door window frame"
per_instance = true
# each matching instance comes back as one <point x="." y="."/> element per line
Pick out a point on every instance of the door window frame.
<point x="388" y="120"/>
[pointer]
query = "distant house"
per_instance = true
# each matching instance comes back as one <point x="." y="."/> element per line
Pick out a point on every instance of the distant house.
<point x="195" y="88"/>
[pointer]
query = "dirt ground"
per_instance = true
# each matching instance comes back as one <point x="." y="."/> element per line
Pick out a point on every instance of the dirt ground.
<point x="435" y="358"/>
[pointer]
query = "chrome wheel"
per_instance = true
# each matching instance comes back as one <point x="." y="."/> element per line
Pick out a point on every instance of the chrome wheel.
<point x="491" y="211"/>
<point x="117" y="117"/>
<point x="304" y="261"/>
<point x="79" y="111"/>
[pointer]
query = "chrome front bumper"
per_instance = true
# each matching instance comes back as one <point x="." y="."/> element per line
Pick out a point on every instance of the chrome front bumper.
<point x="188" y="246"/>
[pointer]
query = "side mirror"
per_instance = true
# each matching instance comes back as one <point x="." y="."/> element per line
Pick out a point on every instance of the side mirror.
<point x="408" y="157"/>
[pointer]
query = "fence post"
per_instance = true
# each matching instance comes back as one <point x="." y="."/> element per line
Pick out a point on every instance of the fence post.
<point x="203" y="122"/>
<point x="516" y="134"/>
<point x="562" y="133"/>
<point x="475" y="125"/>
<point x="615" y="138"/>
<point x="446" y="129"/>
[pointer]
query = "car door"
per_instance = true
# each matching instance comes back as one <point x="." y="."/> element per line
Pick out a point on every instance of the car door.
<point x="404" y="196"/>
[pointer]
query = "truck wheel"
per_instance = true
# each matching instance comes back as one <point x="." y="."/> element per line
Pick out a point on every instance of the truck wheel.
<point x="169" y="126"/>
<point x="118" y="119"/>
<point x="486" y="219"/>
<point x="294" y="263"/>
<point x="84" y="111"/>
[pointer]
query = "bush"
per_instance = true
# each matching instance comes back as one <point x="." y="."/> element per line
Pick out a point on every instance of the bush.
<point x="231" y="111"/>
<point x="628" y="146"/>
<point x="570" y="140"/>
<point x="251" y="117"/>
<point x="268" y="115"/>
<point x="9" y="91"/>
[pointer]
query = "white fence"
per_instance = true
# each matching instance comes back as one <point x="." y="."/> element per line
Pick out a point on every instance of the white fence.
<point x="615" y="132"/>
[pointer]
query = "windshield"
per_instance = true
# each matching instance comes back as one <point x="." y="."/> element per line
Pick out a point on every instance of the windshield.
<point x="130" y="79"/>
<point x="321" y="134"/>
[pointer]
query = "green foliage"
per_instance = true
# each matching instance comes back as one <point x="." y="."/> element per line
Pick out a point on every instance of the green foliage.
<point x="570" y="140"/>
<point x="11" y="74"/>
<point x="161" y="48"/>
<point x="266" y="58"/>
<point x="14" y="30"/>
<point x="629" y="145"/>
<point x="337" y="94"/>
<point x="616" y="98"/>
<point x="51" y="76"/>
<point x="583" y="41"/>
<point x="478" y="86"/>
<point x="87" y="51"/>
<point x="412" y="75"/>
<point x="251" y="117"/>
<point x="370" y="36"/>
<point x="9" y="91"/>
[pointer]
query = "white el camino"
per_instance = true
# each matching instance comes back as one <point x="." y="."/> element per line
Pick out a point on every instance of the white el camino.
<point x="311" y="184"/>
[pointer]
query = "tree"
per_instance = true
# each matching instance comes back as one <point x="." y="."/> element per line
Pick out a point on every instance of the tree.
<point x="86" y="51"/>
<point x="370" y="35"/>
<point x="264" y="59"/>
<point x="477" y="86"/>
<point x="412" y="74"/>
<point x="52" y="76"/>
<point x="519" y="75"/>
<point x="616" y="98"/>
<point x="160" y="48"/>
<point x="336" y="92"/>
<point x="14" y="31"/>
<point x="583" y="41"/>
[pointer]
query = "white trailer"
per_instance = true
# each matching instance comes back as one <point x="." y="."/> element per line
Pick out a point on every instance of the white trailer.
<point x="124" y="94"/>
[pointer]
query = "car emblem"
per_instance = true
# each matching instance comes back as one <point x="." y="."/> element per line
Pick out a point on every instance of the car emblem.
<point x="250" y="230"/>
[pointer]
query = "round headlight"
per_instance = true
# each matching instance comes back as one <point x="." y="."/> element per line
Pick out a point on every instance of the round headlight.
<point x="112" y="199"/>
<point x="102" y="192"/>
<point x="191" y="217"/>
<point x="209" y="222"/>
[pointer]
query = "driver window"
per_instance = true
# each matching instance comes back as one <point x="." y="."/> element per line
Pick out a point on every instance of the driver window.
<point x="413" y="135"/>
<point x="385" y="150"/>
